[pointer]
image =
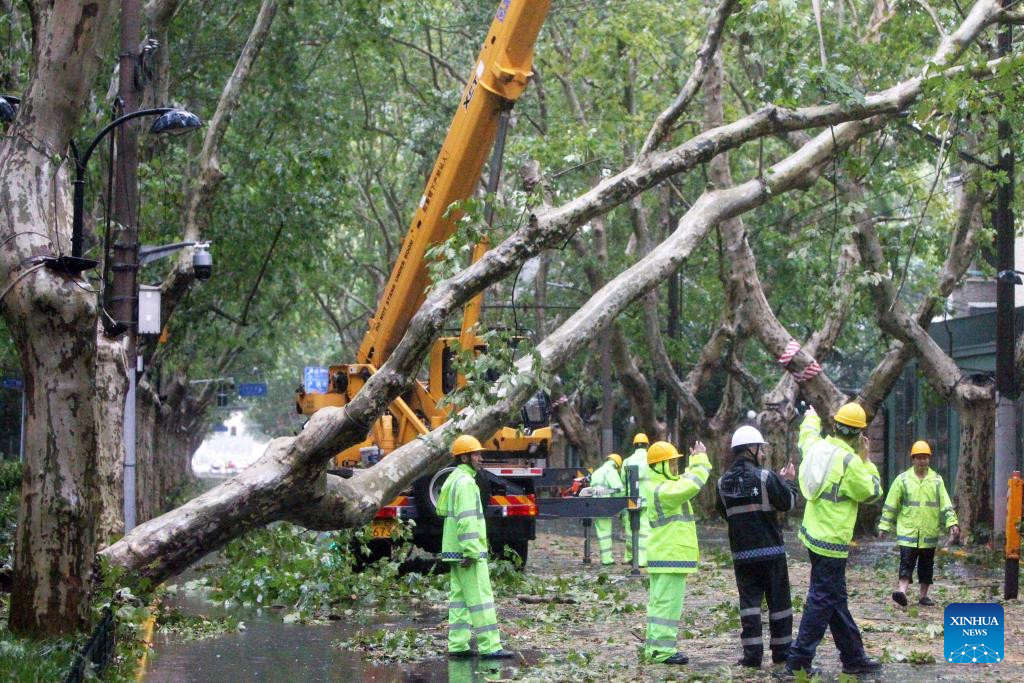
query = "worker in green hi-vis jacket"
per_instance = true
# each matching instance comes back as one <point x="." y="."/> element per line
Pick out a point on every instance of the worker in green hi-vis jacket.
<point x="672" y="549"/>
<point x="464" y="546"/>
<point x="638" y="459"/>
<point x="606" y="482"/>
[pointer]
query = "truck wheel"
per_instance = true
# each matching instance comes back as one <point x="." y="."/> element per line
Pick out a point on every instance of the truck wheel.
<point x="427" y="489"/>
<point x="379" y="549"/>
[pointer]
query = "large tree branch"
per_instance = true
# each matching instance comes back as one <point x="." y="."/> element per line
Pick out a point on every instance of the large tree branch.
<point x="940" y="370"/>
<point x="662" y="127"/>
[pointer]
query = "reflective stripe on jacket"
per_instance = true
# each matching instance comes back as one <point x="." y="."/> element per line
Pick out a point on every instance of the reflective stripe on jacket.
<point x="672" y="545"/>
<point x="607" y="476"/>
<point x="828" y="522"/>
<point x="748" y="498"/>
<point x="921" y="509"/>
<point x="465" y="531"/>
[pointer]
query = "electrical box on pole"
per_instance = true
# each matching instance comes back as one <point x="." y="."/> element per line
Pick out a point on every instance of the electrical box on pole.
<point x="149" y="310"/>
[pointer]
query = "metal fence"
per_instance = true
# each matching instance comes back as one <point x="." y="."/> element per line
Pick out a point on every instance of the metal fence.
<point x="97" y="652"/>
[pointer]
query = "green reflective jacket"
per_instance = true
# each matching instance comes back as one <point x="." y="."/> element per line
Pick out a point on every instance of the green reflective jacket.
<point x="831" y="512"/>
<point x="921" y="509"/>
<point x="672" y="545"/>
<point x="607" y="476"/>
<point x="465" y="532"/>
<point x="639" y="458"/>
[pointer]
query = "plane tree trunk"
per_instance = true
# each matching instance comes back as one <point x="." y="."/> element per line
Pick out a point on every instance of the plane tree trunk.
<point x="52" y="319"/>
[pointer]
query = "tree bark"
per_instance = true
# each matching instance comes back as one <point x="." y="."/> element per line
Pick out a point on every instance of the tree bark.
<point x="974" y="470"/>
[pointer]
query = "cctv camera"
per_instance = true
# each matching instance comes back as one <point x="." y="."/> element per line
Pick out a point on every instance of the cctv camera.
<point x="202" y="262"/>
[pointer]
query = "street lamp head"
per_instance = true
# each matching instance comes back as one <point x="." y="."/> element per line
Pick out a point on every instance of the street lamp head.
<point x="176" y="122"/>
<point x="8" y="108"/>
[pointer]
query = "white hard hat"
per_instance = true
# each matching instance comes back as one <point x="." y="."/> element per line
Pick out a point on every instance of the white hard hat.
<point x="747" y="436"/>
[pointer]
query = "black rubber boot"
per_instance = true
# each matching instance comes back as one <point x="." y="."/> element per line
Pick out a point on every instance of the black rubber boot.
<point x="499" y="654"/>
<point x="677" y="658"/>
<point x="790" y="674"/>
<point x="751" y="663"/>
<point x="865" y="666"/>
<point x="462" y="654"/>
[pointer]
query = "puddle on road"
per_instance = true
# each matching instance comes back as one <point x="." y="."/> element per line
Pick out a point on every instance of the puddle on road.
<point x="271" y="650"/>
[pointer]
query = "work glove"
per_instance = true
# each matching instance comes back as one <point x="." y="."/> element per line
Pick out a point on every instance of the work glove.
<point x="466" y="562"/>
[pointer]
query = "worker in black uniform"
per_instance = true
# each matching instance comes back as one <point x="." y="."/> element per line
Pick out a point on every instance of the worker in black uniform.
<point x="748" y="498"/>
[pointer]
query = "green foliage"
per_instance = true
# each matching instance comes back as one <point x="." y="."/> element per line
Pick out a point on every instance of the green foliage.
<point x="190" y="627"/>
<point x="50" y="659"/>
<point x="899" y="655"/>
<point x="493" y="374"/>
<point x="25" y="659"/>
<point x="310" y="575"/>
<point x="391" y="645"/>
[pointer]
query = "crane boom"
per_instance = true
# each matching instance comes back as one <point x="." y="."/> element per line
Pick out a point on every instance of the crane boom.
<point x="499" y="77"/>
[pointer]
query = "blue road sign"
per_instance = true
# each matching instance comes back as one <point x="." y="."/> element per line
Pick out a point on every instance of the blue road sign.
<point x="13" y="383"/>
<point x="253" y="389"/>
<point x="220" y="427"/>
<point x="314" y="379"/>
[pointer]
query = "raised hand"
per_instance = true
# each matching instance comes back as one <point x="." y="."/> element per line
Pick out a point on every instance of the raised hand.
<point x="788" y="472"/>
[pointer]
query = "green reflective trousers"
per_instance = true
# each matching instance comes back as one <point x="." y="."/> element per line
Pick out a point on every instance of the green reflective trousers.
<point x="664" y="608"/>
<point x="603" y="531"/>
<point x="471" y="609"/>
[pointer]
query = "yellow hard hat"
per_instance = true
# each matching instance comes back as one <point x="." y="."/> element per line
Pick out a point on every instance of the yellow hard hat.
<point x="661" y="451"/>
<point x="852" y="415"/>
<point x="615" y="457"/>
<point x="465" y="444"/>
<point x="641" y="438"/>
<point x="920" y="447"/>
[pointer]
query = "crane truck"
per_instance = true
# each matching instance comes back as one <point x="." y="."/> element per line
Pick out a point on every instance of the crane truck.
<point x="516" y="454"/>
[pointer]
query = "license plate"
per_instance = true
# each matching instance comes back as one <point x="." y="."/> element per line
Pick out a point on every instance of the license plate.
<point x="382" y="528"/>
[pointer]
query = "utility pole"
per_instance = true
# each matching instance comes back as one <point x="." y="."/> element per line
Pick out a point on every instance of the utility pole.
<point x="607" y="443"/>
<point x="1006" y="385"/>
<point x="671" y="407"/>
<point x="126" y="246"/>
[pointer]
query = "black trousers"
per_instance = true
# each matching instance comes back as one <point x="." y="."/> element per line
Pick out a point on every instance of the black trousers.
<point x="827" y="609"/>
<point x="924" y="558"/>
<point x="766" y="579"/>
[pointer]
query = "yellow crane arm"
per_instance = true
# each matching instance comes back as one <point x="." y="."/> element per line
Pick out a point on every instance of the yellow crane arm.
<point x="499" y="76"/>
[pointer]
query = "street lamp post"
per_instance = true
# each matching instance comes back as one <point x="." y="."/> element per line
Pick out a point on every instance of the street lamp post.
<point x="171" y="120"/>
